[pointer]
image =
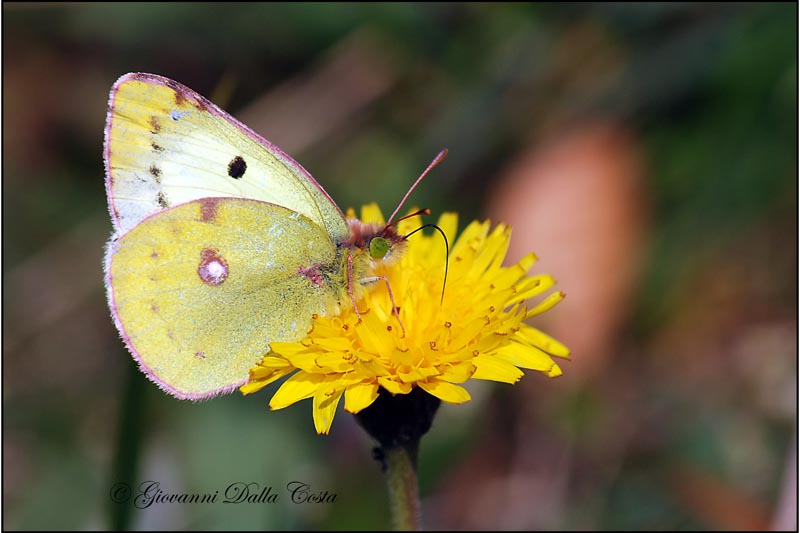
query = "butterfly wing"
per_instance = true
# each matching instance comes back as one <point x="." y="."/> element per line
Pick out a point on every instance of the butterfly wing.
<point x="198" y="291"/>
<point x="165" y="145"/>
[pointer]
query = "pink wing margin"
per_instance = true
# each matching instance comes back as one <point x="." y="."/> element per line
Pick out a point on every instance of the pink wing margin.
<point x="200" y="102"/>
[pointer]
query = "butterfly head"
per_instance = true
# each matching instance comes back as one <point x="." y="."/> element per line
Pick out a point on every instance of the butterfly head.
<point x="381" y="242"/>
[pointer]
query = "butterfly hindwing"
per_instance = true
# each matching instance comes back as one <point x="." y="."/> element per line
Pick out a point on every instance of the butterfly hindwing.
<point x="199" y="290"/>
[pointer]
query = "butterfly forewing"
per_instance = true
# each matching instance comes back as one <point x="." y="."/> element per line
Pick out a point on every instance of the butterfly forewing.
<point x="166" y="145"/>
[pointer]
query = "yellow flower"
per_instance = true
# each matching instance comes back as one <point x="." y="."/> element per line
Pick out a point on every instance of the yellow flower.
<point x="476" y="330"/>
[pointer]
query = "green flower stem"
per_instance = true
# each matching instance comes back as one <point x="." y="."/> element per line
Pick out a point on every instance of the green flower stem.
<point x="401" y="476"/>
<point x="129" y="445"/>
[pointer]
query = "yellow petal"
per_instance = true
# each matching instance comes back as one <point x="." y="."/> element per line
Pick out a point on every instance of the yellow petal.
<point x="261" y="372"/>
<point x="525" y="356"/>
<point x="325" y="404"/>
<point x="360" y="396"/>
<point x="510" y="276"/>
<point x="371" y="367"/>
<point x="467" y="331"/>
<point x="258" y="383"/>
<point x="447" y="392"/>
<point x="502" y="237"/>
<point x="333" y="344"/>
<point x="546" y="304"/>
<point x="274" y="361"/>
<point x="335" y="362"/>
<point x="371" y="214"/>
<point x="554" y="372"/>
<point x="527" y="261"/>
<point x="370" y="341"/>
<point x="449" y="224"/>
<point x="287" y="349"/>
<point x="349" y="379"/>
<point x="298" y="387"/>
<point x="409" y="224"/>
<point x="545" y="342"/>
<point x="395" y="387"/>
<point x="476" y="230"/>
<point x="495" y="369"/>
<point x="458" y="372"/>
<point x="534" y="286"/>
<point x="488" y="255"/>
<point x="412" y="374"/>
<point x="306" y="360"/>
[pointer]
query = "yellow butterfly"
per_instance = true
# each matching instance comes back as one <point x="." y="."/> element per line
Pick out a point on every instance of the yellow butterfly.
<point x="222" y="243"/>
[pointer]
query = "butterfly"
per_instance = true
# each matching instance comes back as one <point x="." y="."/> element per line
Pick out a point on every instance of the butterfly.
<point x="222" y="243"/>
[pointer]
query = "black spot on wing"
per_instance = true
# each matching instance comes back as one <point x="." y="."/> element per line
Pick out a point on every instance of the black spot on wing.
<point x="161" y="198"/>
<point x="157" y="147"/>
<point x="237" y="167"/>
<point x="155" y="172"/>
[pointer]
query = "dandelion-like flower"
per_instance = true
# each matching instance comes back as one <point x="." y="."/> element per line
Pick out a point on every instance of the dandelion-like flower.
<point x="475" y="330"/>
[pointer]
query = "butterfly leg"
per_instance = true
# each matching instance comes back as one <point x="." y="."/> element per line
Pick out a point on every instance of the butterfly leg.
<point x="350" y="285"/>
<point x="395" y="310"/>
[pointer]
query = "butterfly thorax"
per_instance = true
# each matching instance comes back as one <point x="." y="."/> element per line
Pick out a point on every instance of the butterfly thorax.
<point x="357" y="264"/>
<point x="359" y="258"/>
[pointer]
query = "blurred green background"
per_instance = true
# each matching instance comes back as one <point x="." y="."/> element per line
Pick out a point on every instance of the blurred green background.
<point x="646" y="152"/>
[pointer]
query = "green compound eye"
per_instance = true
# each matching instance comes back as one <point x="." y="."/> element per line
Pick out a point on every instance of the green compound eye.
<point x="378" y="247"/>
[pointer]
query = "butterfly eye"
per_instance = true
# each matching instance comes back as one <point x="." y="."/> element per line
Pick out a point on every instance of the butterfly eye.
<point x="378" y="247"/>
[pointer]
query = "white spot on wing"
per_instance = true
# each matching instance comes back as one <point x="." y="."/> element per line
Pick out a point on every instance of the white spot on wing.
<point x="213" y="269"/>
<point x="177" y="115"/>
<point x="216" y="269"/>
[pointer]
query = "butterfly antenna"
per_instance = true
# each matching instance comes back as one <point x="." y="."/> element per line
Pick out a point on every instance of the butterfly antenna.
<point x="446" y="248"/>
<point x="423" y="212"/>
<point x="436" y="160"/>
